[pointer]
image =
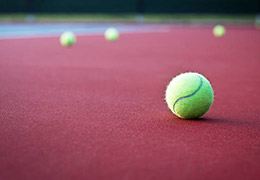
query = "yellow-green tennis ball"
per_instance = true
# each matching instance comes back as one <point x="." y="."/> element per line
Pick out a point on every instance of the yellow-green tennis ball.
<point x="111" y="34"/>
<point x="219" y="31"/>
<point x="67" y="39"/>
<point x="189" y="95"/>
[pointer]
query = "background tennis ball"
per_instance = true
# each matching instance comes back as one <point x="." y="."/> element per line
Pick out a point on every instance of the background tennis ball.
<point x="111" y="34"/>
<point x="67" y="39"/>
<point x="219" y="31"/>
<point x="189" y="95"/>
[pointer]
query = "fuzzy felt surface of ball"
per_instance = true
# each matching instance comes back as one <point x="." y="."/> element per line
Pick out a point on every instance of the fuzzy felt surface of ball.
<point x="219" y="31"/>
<point x="189" y="95"/>
<point x="67" y="39"/>
<point x="111" y="34"/>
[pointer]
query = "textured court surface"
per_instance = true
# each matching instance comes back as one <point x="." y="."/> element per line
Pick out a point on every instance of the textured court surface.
<point x="96" y="110"/>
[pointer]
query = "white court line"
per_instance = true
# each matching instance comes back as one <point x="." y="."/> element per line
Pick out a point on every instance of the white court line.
<point x="139" y="31"/>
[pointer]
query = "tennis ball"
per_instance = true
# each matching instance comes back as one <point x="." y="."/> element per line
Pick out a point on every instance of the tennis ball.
<point x="67" y="39"/>
<point x="111" y="34"/>
<point x="189" y="95"/>
<point x="219" y="31"/>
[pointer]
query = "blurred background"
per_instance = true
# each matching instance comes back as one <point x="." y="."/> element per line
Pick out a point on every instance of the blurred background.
<point x="129" y="10"/>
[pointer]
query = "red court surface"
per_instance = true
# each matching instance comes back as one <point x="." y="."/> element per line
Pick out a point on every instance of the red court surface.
<point x="97" y="110"/>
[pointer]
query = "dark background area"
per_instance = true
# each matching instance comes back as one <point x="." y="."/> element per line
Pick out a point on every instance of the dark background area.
<point x="130" y="6"/>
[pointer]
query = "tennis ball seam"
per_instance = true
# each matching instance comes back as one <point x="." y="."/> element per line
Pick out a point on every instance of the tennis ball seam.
<point x="190" y="95"/>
